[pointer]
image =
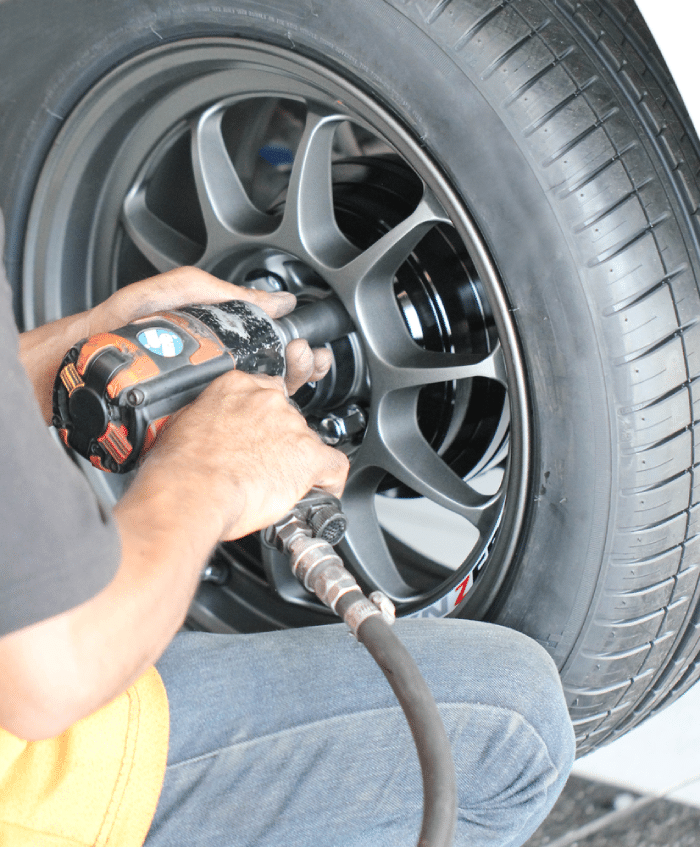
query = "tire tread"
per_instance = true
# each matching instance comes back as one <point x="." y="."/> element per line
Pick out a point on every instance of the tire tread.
<point x="573" y="84"/>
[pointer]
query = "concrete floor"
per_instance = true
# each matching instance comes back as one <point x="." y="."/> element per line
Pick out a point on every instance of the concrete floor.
<point x="597" y="814"/>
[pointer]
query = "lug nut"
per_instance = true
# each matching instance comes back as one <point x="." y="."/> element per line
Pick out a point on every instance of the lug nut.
<point x="331" y="430"/>
<point x="264" y="280"/>
<point x="216" y="574"/>
<point x="339" y="427"/>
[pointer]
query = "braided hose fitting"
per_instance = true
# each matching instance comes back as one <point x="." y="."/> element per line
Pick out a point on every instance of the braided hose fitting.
<point x="306" y="535"/>
<point x="320" y="570"/>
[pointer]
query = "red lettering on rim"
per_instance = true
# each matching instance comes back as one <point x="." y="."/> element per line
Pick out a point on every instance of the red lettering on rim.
<point x="462" y="590"/>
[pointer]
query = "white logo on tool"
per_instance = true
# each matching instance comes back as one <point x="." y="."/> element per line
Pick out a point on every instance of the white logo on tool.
<point x="162" y="342"/>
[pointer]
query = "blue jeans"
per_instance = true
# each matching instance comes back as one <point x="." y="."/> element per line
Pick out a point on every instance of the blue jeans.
<point x="295" y="739"/>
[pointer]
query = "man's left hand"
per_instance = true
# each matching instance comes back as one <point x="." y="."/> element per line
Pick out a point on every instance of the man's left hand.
<point x="42" y="349"/>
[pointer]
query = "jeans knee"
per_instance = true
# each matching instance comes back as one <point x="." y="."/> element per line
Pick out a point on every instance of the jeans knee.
<point x="534" y="690"/>
<point x="509" y="783"/>
<point x="504" y="687"/>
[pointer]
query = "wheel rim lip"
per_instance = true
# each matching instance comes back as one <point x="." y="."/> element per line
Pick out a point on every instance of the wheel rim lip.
<point x="58" y="177"/>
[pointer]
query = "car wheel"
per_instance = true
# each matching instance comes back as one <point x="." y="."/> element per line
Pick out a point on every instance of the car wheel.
<point x="502" y="195"/>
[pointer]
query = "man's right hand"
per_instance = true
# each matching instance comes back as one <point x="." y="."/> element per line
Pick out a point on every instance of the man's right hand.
<point x="245" y="450"/>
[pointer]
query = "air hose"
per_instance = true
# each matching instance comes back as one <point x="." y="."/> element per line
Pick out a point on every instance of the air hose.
<point x="307" y="534"/>
<point x="432" y="744"/>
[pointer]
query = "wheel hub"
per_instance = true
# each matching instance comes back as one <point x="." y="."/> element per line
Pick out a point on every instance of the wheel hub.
<point x="348" y="377"/>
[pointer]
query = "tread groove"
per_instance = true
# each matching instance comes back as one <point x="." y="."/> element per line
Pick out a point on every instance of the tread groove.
<point x="630" y="530"/>
<point x="513" y="49"/>
<point x="596" y="172"/>
<point x="548" y="116"/>
<point x="628" y="304"/>
<point x="623" y="654"/>
<point x="479" y="24"/>
<point x="647" y="489"/>
<point x="638" y="407"/>
<point x="631" y="622"/>
<point x="640" y="560"/>
<point x="526" y="86"/>
<point x="566" y="148"/>
<point x="640" y="592"/>
<point x="437" y="10"/>
<point x="638" y="356"/>
<point x="616" y="249"/>
<point x="597" y="218"/>
<point x="660" y="443"/>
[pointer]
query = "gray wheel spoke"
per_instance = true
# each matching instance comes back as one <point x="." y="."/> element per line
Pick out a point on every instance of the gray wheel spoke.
<point x="396" y="444"/>
<point x="410" y="366"/>
<point x="364" y="546"/>
<point x="163" y="246"/>
<point x="309" y="216"/>
<point x="225" y="205"/>
<point x="377" y="266"/>
<point x="257" y="116"/>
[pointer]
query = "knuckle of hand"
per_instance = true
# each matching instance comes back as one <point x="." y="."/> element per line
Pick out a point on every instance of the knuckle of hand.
<point x="226" y="384"/>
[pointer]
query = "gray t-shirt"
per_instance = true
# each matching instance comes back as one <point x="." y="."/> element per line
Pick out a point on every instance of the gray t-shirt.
<point x="57" y="547"/>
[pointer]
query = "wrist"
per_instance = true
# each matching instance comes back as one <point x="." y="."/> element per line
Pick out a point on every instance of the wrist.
<point x="169" y="509"/>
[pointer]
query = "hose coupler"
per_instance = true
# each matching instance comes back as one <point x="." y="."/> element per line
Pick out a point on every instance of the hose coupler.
<point x="314" y="562"/>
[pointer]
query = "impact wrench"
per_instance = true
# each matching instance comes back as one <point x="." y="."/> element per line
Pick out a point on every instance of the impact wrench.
<point x="114" y="392"/>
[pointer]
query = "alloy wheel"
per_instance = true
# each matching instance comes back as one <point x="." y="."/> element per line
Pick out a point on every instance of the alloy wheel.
<point x="268" y="169"/>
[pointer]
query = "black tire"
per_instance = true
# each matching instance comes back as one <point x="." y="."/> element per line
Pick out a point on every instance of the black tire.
<point x="552" y="133"/>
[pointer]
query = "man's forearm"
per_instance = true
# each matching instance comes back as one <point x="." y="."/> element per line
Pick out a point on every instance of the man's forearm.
<point x="168" y="531"/>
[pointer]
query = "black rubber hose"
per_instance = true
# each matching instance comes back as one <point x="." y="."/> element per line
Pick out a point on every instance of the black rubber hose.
<point x="420" y="708"/>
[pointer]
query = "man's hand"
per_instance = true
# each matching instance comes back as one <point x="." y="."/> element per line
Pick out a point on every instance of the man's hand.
<point x="42" y="349"/>
<point x="241" y="453"/>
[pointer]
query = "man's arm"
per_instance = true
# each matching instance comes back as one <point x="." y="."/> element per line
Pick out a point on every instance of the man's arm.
<point x="232" y="462"/>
